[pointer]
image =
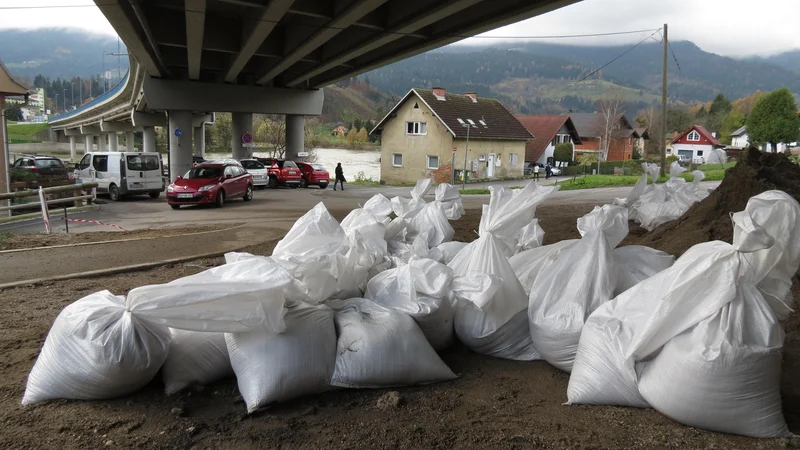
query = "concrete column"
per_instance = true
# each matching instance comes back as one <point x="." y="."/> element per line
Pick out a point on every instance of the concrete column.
<point x="295" y="134"/>
<point x="72" y="148"/>
<point x="129" y="138"/>
<point x="113" y="142"/>
<point x="102" y="143"/>
<point x="200" y="141"/>
<point x="88" y="143"/>
<point x="149" y="139"/>
<point x="241" y="123"/>
<point x="180" y="147"/>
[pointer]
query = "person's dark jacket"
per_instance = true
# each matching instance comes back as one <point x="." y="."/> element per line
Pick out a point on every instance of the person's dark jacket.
<point x="339" y="174"/>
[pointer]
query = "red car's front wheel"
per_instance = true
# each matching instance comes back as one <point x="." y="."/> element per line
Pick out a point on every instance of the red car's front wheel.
<point x="220" y="199"/>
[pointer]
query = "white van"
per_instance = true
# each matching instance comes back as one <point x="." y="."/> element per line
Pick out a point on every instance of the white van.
<point x="122" y="173"/>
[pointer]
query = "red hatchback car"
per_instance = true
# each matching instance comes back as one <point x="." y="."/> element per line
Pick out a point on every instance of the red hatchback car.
<point x="313" y="174"/>
<point x="210" y="183"/>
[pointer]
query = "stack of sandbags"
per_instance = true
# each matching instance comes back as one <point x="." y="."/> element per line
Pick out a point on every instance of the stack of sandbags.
<point x="491" y="303"/>
<point x="670" y="200"/>
<point x="419" y="289"/>
<point x="450" y="199"/>
<point x="701" y="341"/>
<point x="632" y="200"/>
<point x="106" y="345"/>
<point x="573" y="282"/>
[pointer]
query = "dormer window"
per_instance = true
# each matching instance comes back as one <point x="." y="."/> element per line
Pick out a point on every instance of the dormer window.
<point x="694" y="136"/>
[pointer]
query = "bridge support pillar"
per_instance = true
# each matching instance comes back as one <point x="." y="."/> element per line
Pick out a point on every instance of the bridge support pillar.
<point x="241" y="123"/>
<point x="102" y="143"/>
<point x="149" y="139"/>
<point x="72" y="148"/>
<point x="129" y="139"/>
<point x="180" y="143"/>
<point x="88" y="143"/>
<point x="295" y="134"/>
<point x="200" y="141"/>
<point x="113" y="142"/>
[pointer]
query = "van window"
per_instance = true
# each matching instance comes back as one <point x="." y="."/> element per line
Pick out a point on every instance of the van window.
<point x="142" y="162"/>
<point x="100" y="163"/>
<point x="84" y="164"/>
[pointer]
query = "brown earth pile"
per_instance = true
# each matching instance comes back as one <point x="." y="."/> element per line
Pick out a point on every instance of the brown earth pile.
<point x="709" y="219"/>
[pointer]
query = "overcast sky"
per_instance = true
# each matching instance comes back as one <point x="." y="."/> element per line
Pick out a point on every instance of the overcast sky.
<point x="727" y="27"/>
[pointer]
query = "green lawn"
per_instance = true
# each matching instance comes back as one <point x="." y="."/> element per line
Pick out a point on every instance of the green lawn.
<point x="597" y="181"/>
<point x="707" y="167"/>
<point x="27" y="129"/>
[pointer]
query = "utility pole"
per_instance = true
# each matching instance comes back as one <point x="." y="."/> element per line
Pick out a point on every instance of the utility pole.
<point x="664" y="106"/>
<point x="466" y="152"/>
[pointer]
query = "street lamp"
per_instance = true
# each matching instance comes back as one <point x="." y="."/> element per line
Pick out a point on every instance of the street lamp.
<point x="65" y="99"/>
<point x="466" y="152"/>
<point x="55" y="110"/>
<point x="104" y="66"/>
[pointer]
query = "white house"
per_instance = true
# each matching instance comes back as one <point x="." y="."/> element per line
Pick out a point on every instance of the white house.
<point x="696" y="143"/>
<point x="740" y="139"/>
<point x="549" y="131"/>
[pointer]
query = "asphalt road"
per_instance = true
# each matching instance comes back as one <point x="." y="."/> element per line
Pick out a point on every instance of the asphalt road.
<point x="273" y="208"/>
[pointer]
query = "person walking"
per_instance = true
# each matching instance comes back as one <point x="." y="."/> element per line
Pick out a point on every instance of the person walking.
<point x="339" y="176"/>
<point x="536" y="171"/>
<point x="548" y="172"/>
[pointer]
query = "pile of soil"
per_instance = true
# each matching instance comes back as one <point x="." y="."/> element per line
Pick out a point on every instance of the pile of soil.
<point x="709" y="219"/>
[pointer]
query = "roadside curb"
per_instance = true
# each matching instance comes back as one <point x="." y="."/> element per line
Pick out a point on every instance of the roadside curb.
<point x="117" y="270"/>
<point x="114" y="241"/>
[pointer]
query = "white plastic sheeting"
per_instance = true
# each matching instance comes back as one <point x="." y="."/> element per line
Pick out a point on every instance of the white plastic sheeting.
<point x="419" y="289"/>
<point x="636" y="263"/>
<point x="491" y="302"/>
<point x="195" y="358"/>
<point x="380" y="347"/>
<point x="701" y="341"/>
<point x="450" y="199"/>
<point x="580" y="279"/>
<point x="272" y="367"/>
<point x="106" y="345"/>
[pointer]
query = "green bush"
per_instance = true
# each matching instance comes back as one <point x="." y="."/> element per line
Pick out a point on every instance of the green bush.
<point x="563" y="152"/>
<point x="671" y="159"/>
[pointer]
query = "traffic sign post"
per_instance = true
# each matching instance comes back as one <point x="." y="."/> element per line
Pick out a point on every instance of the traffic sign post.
<point x="247" y="139"/>
<point x="453" y="167"/>
<point x="178" y="132"/>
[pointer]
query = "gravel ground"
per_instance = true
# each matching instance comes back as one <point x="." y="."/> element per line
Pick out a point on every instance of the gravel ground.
<point x="493" y="404"/>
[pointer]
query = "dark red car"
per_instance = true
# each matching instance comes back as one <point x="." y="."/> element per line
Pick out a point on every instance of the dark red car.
<point x="314" y="174"/>
<point x="210" y="183"/>
<point x="281" y="172"/>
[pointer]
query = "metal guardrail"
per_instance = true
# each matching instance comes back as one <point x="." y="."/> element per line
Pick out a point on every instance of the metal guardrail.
<point x="41" y="193"/>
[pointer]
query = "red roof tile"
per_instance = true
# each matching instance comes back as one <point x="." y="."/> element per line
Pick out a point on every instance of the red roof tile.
<point x="544" y="128"/>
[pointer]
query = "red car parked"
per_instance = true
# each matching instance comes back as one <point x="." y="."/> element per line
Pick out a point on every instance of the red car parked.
<point x="281" y="172"/>
<point x="210" y="183"/>
<point x="314" y="174"/>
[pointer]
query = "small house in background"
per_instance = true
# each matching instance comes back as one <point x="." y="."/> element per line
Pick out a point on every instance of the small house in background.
<point x="549" y="131"/>
<point x="641" y="141"/>
<point x="590" y="127"/>
<point x="428" y="127"/>
<point x="696" y="144"/>
<point x="740" y="139"/>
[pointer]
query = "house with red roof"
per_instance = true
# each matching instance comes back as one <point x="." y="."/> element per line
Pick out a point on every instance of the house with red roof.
<point x="696" y="143"/>
<point x="549" y="131"/>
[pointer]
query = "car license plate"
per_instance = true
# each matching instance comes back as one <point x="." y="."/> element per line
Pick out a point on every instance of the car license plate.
<point x="185" y="195"/>
<point x="292" y="172"/>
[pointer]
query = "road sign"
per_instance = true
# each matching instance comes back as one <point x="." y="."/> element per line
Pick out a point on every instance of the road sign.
<point x="250" y="145"/>
<point x="247" y="138"/>
<point x="302" y="154"/>
<point x="178" y="132"/>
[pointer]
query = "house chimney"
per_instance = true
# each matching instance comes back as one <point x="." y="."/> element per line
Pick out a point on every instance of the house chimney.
<point x="438" y="92"/>
<point x="675" y="135"/>
<point x="472" y="95"/>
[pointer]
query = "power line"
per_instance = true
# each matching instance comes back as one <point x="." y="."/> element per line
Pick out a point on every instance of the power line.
<point x="46" y="7"/>
<point x="563" y="36"/>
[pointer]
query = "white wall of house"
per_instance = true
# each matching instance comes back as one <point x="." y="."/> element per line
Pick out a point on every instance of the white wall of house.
<point x="697" y="152"/>
<point x="740" y="141"/>
<point x="562" y="136"/>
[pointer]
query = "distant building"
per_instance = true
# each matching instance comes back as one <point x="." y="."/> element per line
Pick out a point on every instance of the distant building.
<point x="549" y="131"/>
<point x="590" y="128"/>
<point x="8" y="87"/>
<point x="421" y="134"/>
<point x="341" y="130"/>
<point x="740" y="139"/>
<point x="696" y="143"/>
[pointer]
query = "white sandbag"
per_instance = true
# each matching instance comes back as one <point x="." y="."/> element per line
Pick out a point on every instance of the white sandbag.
<point x="418" y="248"/>
<point x="700" y="341"/>
<point x="530" y="236"/>
<point x="450" y="198"/>
<point x="450" y="249"/>
<point x="488" y="315"/>
<point x="378" y="206"/>
<point x="396" y="230"/>
<point x="639" y="189"/>
<point x="419" y="289"/>
<point x="408" y="208"/>
<point x="195" y="358"/>
<point x="106" y="345"/>
<point x="529" y="263"/>
<point x="652" y="215"/>
<point x="379" y="347"/>
<point x="431" y="219"/>
<point x="570" y="287"/>
<point x="273" y="367"/>
<point x="636" y="263"/>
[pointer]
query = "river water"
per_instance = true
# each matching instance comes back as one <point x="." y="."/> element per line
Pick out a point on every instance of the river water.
<point x="353" y="161"/>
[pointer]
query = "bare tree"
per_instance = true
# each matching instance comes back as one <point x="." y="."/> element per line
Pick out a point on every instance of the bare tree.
<point x="650" y="118"/>
<point x="608" y="120"/>
<point x="273" y="133"/>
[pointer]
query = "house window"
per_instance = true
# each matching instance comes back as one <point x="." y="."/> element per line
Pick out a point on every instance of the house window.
<point x="397" y="159"/>
<point x="416" y="128"/>
<point x="699" y="153"/>
<point x="416" y="105"/>
<point x="433" y="162"/>
<point x="513" y="159"/>
<point x="694" y="136"/>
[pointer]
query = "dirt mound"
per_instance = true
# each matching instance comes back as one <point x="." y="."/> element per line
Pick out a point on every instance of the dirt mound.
<point x="709" y="219"/>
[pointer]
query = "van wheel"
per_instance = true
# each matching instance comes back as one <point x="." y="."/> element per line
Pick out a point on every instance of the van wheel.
<point x="273" y="183"/>
<point x="155" y="194"/>
<point x="303" y="183"/>
<point x="220" y="199"/>
<point x="248" y="194"/>
<point x="175" y="206"/>
<point x="113" y="192"/>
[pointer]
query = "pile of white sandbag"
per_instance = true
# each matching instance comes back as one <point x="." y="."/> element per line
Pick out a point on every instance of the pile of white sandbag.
<point x="701" y="341"/>
<point x="666" y="202"/>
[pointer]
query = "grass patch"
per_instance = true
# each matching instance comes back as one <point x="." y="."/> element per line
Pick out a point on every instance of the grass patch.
<point x="482" y="191"/>
<point x="5" y="236"/>
<point x="599" y="181"/>
<point x="709" y="167"/>
<point x="27" y="129"/>
<point x="364" y="183"/>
